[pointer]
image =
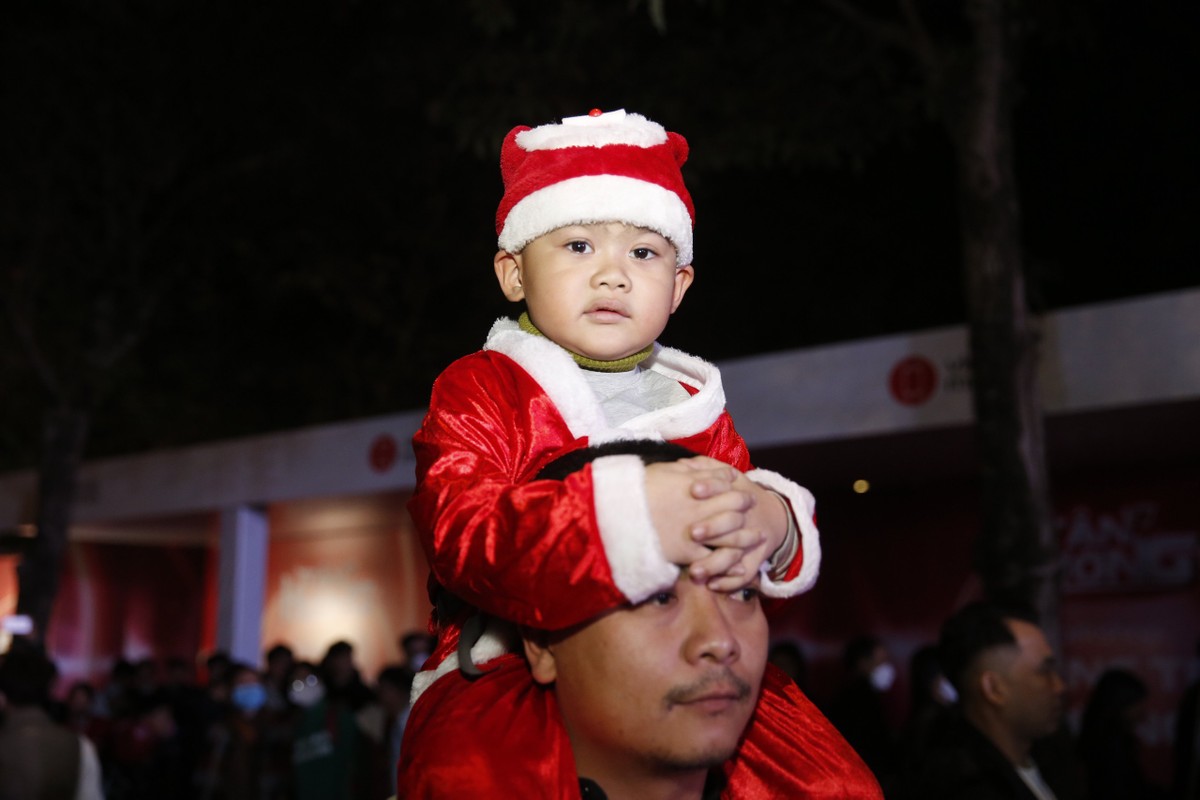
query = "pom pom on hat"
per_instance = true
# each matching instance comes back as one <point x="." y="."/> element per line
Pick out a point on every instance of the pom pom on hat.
<point x="612" y="167"/>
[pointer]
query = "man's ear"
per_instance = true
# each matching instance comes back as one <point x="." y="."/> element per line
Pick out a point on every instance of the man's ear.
<point x="541" y="660"/>
<point x="683" y="279"/>
<point x="992" y="687"/>
<point x="508" y="273"/>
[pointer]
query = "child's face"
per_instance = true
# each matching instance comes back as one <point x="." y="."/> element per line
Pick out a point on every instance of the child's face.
<point x="604" y="290"/>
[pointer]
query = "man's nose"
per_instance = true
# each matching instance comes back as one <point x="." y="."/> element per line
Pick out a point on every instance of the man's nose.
<point x="711" y="635"/>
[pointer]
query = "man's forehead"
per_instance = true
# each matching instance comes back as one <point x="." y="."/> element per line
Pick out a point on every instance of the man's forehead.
<point x="1031" y="641"/>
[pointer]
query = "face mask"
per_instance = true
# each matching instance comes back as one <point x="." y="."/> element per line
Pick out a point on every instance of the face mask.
<point x="249" y="697"/>
<point x="883" y="676"/>
<point x="306" y="692"/>
<point x="944" y="690"/>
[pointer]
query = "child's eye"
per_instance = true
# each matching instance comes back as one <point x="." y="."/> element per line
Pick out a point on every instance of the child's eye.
<point x="643" y="253"/>
<point x="579" y="246"/>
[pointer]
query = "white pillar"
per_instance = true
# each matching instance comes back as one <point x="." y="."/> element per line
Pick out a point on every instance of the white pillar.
<point x="242" y="582"/>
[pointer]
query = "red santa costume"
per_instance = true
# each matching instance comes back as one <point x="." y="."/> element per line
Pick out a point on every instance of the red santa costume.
<point x="552" y="554"/>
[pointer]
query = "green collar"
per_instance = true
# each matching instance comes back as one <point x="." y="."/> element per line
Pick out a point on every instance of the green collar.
<point x="619" y="365"/>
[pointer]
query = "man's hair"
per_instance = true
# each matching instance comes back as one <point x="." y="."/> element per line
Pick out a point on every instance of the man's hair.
<point x="26" y="674"/>
<point x="279" y="651"/>
<point x="650" y="451"/>
<point x="972" y="631"/>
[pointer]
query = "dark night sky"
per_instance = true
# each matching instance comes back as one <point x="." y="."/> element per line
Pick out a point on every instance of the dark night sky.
<point x="298" y="313"/>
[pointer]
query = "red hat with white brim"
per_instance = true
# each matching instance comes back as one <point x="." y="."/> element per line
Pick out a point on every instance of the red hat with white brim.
<point x="611" y="167"/>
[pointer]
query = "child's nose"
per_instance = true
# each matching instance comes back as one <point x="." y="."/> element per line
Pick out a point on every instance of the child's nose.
<point x="611" y="273"/>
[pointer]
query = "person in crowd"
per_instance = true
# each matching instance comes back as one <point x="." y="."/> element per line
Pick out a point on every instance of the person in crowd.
<point x="415" y="647"/>
<point x="342" y="679"/>
<point x="645" y="700"/>
<point x="145" y="757"/>
<point x="931" y="699"/>
<point x="789" y="657"/>
<point x="385" y="727"/>
<point x="1185" y="745"/>
<point x="595" y="237"/>
<point x="1108" y="742"/>
<point x="331" y="753"/>
<point x="277" y="722"/>
<point x="116" y="699"/>
<point x="280" y="661"/>
<point x="216" y="668"/>
<point x="1010" y="697"/>
<point x="39" y="758"/>
<point x="79" y="714"/>
<point x="233" y="764"/>
<point x="188" y="701"/>
<point x="858" y="708"/>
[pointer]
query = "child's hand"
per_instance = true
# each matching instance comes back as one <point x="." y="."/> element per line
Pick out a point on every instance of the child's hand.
<point x="741" y="539"/>
<point x="696" y="494"/>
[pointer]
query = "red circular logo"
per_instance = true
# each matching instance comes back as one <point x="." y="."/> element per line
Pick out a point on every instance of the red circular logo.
<point x="383" y="452"/>
<point x="913" y="380"/>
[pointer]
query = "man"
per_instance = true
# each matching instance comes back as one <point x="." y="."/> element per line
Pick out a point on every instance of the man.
<point x="38" y="757"/>
<point x="656" y="695"/>
<point x="643" y="701"/>
<point x="1011" y="698"/>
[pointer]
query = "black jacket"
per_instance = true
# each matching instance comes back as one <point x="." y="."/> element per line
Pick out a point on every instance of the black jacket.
<point x="963" y="764"/>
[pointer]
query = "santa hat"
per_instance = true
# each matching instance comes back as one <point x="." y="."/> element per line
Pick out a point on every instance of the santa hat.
<point x="611" y="167"/>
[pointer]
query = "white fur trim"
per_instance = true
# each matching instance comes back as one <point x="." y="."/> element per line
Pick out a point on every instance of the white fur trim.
<point x="631" y="544"/>
<point x="554" y="370"/>
<point x="803" y="506"/>
<point x="497" y="639"/>
<point x="599" y="198"/>
<point x="560" y="378"/>
<point x="693" y="415"/>
<point x="613" y="127"/>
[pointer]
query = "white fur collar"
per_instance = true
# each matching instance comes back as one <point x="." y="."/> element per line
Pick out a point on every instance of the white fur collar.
<point x="560" y="377"/>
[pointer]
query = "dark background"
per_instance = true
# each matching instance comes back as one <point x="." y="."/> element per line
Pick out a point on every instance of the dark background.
<point x="287" y="214"/>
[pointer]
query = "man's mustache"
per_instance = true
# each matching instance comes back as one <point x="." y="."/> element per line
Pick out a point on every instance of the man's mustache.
<point x="715" y="684"/>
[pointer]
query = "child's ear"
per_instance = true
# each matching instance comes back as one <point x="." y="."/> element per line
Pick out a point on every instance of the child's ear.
<point x="508" y="273"/>
<point x="683" y="279"/>
<point x="542" y="665"/>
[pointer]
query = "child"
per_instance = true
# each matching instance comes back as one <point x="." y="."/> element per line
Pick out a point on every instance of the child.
<point x="595" y="236"/>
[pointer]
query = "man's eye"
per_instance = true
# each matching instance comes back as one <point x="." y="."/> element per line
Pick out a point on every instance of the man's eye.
<point x="643" y="253"/>
<point x="747" y="595"/>
<point x="579" y="247"/>
<point x="662" y="598"/>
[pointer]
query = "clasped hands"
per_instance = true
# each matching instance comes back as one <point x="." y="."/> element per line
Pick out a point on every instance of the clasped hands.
<point x="714" y="521"/>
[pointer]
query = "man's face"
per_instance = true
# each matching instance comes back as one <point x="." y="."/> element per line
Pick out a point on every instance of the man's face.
<point x="604" y="290"/>
<point x="1035" y="689"/>
<point x="664" y="686"/>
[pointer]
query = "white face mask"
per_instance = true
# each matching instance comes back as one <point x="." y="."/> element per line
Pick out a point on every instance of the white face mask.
<point x="306" y="692"/>
<point x="944" y="690"/>
<point x="883" y="676"/>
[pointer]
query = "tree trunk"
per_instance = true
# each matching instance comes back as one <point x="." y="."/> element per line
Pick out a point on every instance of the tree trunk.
<point x="64" y="434"/>
<point x="1015" y="551"/>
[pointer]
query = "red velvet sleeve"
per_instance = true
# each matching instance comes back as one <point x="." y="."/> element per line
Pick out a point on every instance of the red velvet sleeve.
<point x="527" y="551"/>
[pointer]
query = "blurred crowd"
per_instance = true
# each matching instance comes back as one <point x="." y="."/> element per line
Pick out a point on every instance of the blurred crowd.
<point x="1099" y="758"/>
<point x="216" y="730"/>
<point x="298" y="730"/>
